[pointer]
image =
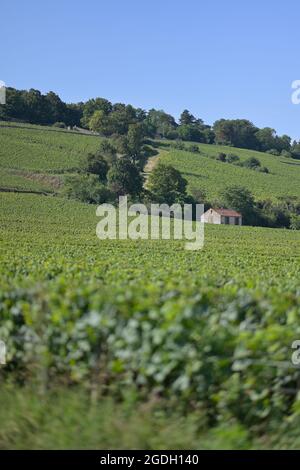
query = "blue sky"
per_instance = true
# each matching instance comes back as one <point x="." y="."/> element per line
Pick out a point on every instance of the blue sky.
<point x="228" y="59"/>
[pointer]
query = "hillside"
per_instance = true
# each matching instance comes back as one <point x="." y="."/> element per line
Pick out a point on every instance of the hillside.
<point x="205" y="172"/>
<point x="35" y="157"/>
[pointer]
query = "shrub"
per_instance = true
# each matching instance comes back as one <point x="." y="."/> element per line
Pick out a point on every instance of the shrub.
<point x="232" y="158"/>
<point x="252" y="163"/>
<point x="178" y="145"/>
<point x="286" y="154"/>
<point x="273" y="152"/>
<point x="171" y="134"/>
<point x="295" y="222"/>
<point x="221" y="156"/>
<point x="263" y="169"/>
<point x="193" y="148"/>
<point x="59" y="124"/>
<point x="87" y="188"/>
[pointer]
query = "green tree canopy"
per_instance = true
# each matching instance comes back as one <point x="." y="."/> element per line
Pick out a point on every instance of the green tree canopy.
<point x="95" y="163"/>
<point x="241" y="200"/>
<point x="125" y="178"/>
<point x="167" y="184"/>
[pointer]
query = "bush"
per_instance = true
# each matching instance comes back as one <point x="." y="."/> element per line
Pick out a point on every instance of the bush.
<point x="59" y="124"/>
<point x="295" y="222"/>
<point x="193" y="148"/>
<point x="221" y="156"/>
<point x="232" y="158"/>
<point x="263" y="169"/>
<point x="178" y="145"/>
<point x="87" y="188"/>
<point x="252" y="163"/>
<point x="171" y="134"/>
<point x="286" y="154"/>
<point x="273" y="152"/>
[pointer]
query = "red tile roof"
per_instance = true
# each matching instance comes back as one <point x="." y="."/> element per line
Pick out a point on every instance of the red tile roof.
<point x="228" y="212"/>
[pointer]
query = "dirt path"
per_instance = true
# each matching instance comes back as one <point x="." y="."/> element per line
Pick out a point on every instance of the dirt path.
<point x="150" y="165"/>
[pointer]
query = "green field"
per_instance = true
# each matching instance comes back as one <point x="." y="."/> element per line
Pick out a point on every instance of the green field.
<point x="63" y="235"/>
<point x="152" y="336"/>
<point x="211" y="175"/>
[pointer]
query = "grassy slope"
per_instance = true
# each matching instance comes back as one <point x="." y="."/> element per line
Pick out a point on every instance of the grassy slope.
<point x="25" y="152"/>
<point x="212" y="175"/>
<point x="34" y="150"/>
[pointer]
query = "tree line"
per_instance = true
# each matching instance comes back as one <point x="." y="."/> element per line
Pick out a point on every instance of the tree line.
<point x="100" y="115"/>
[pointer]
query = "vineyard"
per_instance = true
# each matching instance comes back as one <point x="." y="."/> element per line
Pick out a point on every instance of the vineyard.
<point x="205" y="172"/>
<point x="192" y="347"/>
<point x="31" y="155"/>
<point x="29" y="152"/>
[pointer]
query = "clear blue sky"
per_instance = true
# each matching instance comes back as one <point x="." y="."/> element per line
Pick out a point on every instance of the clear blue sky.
<point x="218" y="59"/>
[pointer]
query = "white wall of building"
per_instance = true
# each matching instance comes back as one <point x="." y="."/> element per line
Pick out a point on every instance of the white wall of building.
<point x="211" y="217"/>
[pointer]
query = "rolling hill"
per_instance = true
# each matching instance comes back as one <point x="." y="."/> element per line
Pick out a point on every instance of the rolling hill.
<point x="36" y="157"/>
<point x="205" y="172"/>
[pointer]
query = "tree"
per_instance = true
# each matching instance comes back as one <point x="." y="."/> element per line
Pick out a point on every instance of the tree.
<point x="159" y="123"/>
<point x="15" y="107"/>
<point x="125" y="178"/>
<point x="166" y="184"/>
<point x="191" y="132"/>
<point x="235" y="132"/>
<point x="269" y="140"/>
<point x="266" y="138"/>
<point x="186" y="118"/>
<point x="95" y="163"/>
<point x="56" y="108"/>
<point x="241" y="200"/>
<point x="97" y="104"/>
<point x="135" y="140"/>
<point x="96" y="121"/>
<point x="108" y="150"/>
<point x="36" y="107"/>
<point x="296" y="149"/>
<point x="193" y="129"/>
